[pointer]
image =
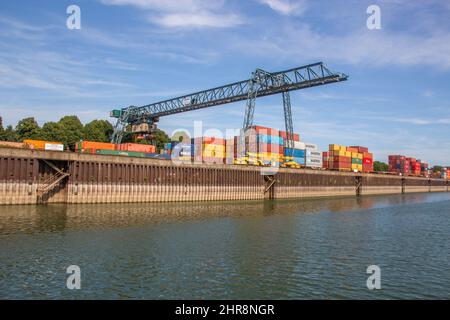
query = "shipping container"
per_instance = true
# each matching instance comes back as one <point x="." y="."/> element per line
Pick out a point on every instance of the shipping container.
<point x="40" y="144"/>
<point x="136" y="147"/>
<point x="82" y="145"/>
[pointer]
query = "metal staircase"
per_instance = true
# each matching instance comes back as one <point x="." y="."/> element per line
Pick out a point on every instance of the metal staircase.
<point x="52" y="182"/>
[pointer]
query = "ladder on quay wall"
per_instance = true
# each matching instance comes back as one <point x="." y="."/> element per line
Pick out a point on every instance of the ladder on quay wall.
<point x="270" y="182"/>
<point x="52" y="182"/>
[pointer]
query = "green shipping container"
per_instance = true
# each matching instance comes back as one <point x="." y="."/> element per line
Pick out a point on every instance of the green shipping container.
<point x="120" y="153"/>
<point x="357" y="161"/>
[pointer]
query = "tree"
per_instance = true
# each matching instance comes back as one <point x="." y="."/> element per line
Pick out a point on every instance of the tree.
<point x="98" y="130"/>
<point x="438" y="169"/>
<point x="380" y="166"/>
<point x="161" y="138"/>
<point x="9" y="134"/>
<point x="28" y="128"/>
<point x="71" y="131"/>
<point x="51" y="131"/>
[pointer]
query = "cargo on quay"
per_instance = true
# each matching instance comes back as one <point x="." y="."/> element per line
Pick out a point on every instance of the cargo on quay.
<point x="30" y="176"/>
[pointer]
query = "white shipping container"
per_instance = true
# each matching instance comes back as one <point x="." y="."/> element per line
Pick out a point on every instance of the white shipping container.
<point x="54" y="147"/>
<point x="312" y="153"/>
<point x="316" y="163"/>
<point x="299" y="145"/>
<point x="310" y="146"/>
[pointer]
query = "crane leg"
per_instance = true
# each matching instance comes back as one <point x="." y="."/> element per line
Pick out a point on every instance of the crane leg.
<point x="289" y="141"/>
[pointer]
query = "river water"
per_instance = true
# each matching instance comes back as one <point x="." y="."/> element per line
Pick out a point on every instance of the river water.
<point x="296" y="249"/>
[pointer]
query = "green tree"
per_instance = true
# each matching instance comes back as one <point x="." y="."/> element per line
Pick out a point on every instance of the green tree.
<point x="51" y="131"/>
<point x="438" y="169"/>
<point x="71" y="131"/>
<point x="9" y="134"/>
<point x="28" y="128"/>
<point x="160" y="138"/>
<point x="98" y="130"/>
<point x="380" y="166"/>
<point x="2" y="131"/>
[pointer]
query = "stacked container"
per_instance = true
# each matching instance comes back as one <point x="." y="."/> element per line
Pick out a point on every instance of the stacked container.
<point x="209" y="150"/>
<point x="414" y="166"/>
<point x="325" y="160"/>
<point x="367" y="158"/>
<point x="91" y="146"/>
<point x="313" y="157"/>
<point x="339" y="158"/>
<point x="424" y="170"/>
<point x="264" y="144"/>
<point x="399" y="164"/>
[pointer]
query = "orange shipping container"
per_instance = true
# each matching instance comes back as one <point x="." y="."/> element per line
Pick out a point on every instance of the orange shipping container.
<point x="38" y="144"/>
<point x="95" y="145"/>
<point x="136" y="147"/>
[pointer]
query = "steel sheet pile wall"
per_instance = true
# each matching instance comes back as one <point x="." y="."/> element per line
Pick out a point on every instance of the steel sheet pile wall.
<point x="116" y="182"/>
<point x="307" y="183"/>
<point x="107" y="179"/>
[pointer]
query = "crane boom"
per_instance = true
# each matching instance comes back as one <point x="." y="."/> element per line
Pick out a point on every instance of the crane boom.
<point x="271" y="83"/>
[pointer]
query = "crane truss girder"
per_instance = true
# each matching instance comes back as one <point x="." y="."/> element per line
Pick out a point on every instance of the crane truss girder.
<point x="294" y="79"/>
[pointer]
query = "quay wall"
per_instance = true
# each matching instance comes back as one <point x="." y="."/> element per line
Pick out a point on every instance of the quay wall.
<point x="112" y="179"/>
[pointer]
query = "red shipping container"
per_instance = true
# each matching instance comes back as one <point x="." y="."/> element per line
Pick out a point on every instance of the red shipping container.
<point x="265" y="130"/>
<point x="367" y="161"/>
<point x="342" y="159"/>
<point x="283" y="134"/>
<point x="360" y="149"/>
<point x="352" y="149"/>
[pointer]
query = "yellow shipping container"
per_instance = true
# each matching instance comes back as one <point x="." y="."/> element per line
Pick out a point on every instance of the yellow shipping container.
<point x="343" y="148"/>
<point x="348" y="154"/>
<point x="354" y="155"/>
<point x="360" y="156"/>
<point x="335" y="147"/>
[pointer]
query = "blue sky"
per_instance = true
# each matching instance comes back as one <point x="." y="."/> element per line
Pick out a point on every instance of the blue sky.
<point x="134" y="52"/>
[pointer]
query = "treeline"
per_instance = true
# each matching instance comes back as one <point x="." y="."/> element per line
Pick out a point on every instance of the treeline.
<point x="68" y="130"/>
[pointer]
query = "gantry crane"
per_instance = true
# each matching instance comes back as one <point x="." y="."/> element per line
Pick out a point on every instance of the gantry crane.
<point x="143" y="119"/>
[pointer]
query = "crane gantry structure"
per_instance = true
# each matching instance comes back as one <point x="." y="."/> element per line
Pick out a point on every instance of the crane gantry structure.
<point x="262" y="83"/>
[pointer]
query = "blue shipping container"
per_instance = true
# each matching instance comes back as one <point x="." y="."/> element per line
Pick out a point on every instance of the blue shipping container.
<point x="269" y="139"/>
<point x="299" y="160"/>
<point x="296" y="153"/>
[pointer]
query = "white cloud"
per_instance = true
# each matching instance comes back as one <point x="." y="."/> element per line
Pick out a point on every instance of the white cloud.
<point x="184" y="13"/>
<point x="362" y="47"/>
<point x="286" y="7"/>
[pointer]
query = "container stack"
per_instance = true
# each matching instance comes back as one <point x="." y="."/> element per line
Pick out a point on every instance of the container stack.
<point x="231" y="149"/>
<point x="339" y="158"/>
<point x="424" y="170"/>
<point x="92" y="147"/>
<point x="325" y="159"/>
<point x="414" y="165"/>
<point x="363" y="154"/>
<point x="298" y="153"/>
<point x="209" y="150"/>
<point x="399" y="164"/>
<point x="445" y="173"/>
<point x="182" y="151"/>
<point x="313" y="157"/>
<point x="264" y="144"/>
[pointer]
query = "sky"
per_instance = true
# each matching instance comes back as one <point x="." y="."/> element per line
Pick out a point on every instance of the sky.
<point x="136" y="52"/>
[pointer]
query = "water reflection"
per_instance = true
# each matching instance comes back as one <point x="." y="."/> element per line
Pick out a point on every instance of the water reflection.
<point x="59" y="217"/>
